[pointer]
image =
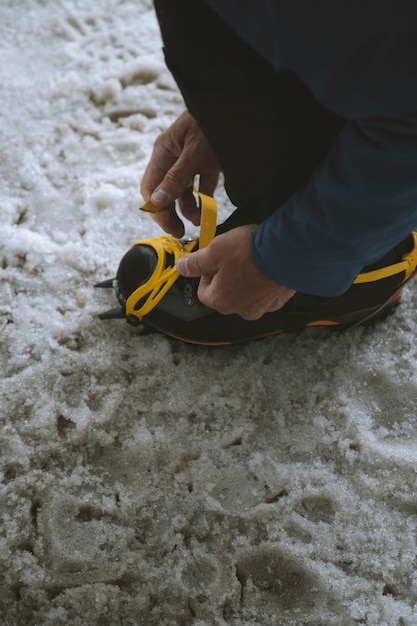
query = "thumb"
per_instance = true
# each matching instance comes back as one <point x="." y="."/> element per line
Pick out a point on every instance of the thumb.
<point x="161" y="197"/>
<point x="176" y="180"/>
<point x="194" y="264"/>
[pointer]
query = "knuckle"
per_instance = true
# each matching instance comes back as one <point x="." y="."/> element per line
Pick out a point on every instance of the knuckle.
<point x="251" y="316"/>
<point x="175" y="178"/>
<point x="160" y="141"/>
<point x="199" y="267"/>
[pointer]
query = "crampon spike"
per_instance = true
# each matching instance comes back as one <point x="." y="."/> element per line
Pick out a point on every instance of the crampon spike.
<point x="106" y="284"/>
<point x="113" y="314"/>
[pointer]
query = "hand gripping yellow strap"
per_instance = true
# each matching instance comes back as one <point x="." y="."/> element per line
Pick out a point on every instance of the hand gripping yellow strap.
<point x="407" y="265"/>
<point x="208" y="219"/>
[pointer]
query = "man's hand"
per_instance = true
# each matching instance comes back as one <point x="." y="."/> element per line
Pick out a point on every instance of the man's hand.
<point x="180" y="153"/>
<point x="230" y="283"/>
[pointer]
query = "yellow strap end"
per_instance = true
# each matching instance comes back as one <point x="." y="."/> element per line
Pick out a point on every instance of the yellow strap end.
<point x="208" y="215"/>
<point x="149" y="207"/>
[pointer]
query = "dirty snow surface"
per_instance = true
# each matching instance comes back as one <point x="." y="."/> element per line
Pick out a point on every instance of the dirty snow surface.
<point x="145" y="482"/>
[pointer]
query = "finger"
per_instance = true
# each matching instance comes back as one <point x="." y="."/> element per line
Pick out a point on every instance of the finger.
<point x="189" y="208"/>
<point x="208" y="183"/>
<point x="169" y="221"/>
<point x="251" y="316"/>
<point x="211" y="295"/>
<point x="175" y="181"/>
<point x="196" y="264"/>
<point x="204" y="292"/>
<point x="171" y="187"/>
<point x="160" y="162"/>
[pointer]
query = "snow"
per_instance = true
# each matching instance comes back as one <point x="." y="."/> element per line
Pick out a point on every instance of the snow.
<point x="143" y="481"/>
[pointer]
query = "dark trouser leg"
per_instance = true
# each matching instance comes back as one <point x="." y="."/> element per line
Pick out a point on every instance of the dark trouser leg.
<point x="266" y="129"/>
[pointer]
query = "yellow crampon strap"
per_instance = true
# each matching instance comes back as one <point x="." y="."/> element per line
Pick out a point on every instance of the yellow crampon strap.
<point x="147" y="296"/>
<point x="168" y="250"/>
<point x="208" y="220"/>
<point x="407" y="265"/>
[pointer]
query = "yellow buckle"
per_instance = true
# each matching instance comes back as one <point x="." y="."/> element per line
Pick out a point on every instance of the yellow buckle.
<point x="165" y="246"/>
<point x="163" y="277"/>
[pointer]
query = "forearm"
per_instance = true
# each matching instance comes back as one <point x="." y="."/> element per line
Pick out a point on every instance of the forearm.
<point x="357" y="205"/>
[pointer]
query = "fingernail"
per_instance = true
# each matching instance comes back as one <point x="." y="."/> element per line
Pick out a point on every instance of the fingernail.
<point x="160" y="197"/>
<point x="182" y="266"/>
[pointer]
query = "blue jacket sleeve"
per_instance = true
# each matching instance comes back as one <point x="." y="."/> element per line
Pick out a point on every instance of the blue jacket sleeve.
<point x="357" y="205"/>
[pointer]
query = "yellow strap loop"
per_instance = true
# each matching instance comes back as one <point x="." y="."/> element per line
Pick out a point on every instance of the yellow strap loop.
<point x="208" y="220"/>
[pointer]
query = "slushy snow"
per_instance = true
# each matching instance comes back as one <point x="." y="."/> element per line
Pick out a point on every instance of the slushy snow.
<point x="149" y="483"/>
